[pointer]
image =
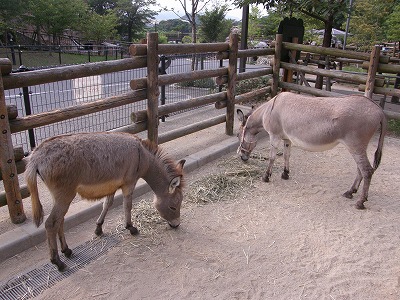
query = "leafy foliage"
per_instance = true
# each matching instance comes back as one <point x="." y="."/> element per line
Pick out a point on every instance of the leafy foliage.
<point x="174" y="25"/>
<point x="199" y="83"/>
<point x="133" y="16"/>
<point x="393" y="24"/>
<point x="99" y="27"/>
<point x="214" y="27"/>
<point x="368" y="22"/>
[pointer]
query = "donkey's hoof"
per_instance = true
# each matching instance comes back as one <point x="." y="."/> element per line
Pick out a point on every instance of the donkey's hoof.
<point x="133" y="230"/>
<point x="285" y="176"/>
<point x="67" y="252"/>
<point x="265" y="178"/>
<point x="348" y="195"/>
<point x="60" y="265"/>
<point x="360" y="205"/>
<point x="98" y="231"/>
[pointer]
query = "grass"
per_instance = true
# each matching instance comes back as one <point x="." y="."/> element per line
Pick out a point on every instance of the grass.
<point x="47" y="58"/>
<point x="394" y="127"/>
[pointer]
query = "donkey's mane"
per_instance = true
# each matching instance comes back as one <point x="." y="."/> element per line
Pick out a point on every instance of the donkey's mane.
<point x="169" y="164"/>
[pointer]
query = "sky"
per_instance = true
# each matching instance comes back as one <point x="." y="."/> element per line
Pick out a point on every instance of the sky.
<point x="234" y="13"/>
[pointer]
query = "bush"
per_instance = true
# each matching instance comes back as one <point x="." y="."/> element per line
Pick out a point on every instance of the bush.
<point x="252" y="84"/>
<point x="200" y="83"/>
<point x="394" y="127"/>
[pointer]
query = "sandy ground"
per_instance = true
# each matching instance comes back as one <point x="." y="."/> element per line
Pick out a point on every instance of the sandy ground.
<point x="294" y="239"/>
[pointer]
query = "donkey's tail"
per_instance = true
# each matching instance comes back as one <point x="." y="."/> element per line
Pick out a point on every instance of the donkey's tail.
<point x="378" y="152"/>
<point x="31" y="181"/>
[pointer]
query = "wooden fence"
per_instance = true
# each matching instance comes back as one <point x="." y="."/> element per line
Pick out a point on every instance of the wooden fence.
<point x="146" y="56"/>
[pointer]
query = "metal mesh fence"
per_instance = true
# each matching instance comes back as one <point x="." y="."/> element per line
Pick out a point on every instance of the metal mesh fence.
<point x="63" y="94"/>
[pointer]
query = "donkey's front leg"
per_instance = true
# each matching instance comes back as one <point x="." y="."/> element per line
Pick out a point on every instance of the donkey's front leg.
<point x="287" y="146"/>
<point x="272" y="156"/>
<point x="128" y="197"/>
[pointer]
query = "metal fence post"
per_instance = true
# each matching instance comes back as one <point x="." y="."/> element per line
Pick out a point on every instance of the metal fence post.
<point x="20" y="55"/>
<point x="59" y="54"/>
<point x="14" y="61"/>
<point x="28" y="109"/>
<point x="162" y="71"/>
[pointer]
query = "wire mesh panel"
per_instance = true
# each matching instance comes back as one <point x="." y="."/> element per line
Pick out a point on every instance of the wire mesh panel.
<point x="189" y="89"/>
<point x="68" y="93"/>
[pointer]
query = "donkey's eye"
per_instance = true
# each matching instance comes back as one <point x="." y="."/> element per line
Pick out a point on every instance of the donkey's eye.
<point x="172" y="208"/>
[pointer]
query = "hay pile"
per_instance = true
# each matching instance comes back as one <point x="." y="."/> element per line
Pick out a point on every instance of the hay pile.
<point x="224" y="185"/>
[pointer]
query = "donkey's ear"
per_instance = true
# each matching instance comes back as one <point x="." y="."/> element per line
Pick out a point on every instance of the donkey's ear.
<point x="241" y="116"/>
<point x="180" y="164"/>
<point x="175" y="182"/>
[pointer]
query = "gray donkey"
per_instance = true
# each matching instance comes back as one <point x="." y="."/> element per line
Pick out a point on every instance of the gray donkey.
<point x="317" y="124"/>
<point x="96" y="165"/>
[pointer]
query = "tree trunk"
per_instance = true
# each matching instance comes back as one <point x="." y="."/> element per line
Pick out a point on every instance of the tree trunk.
<point x="326" y="43"/>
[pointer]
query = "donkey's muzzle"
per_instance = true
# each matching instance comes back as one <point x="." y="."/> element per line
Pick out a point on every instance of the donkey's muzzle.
<point x="244" y="157"/>
<point x="174" y="223"/>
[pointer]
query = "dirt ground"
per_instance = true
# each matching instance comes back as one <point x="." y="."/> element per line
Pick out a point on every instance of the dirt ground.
<point x="294" y="239"/>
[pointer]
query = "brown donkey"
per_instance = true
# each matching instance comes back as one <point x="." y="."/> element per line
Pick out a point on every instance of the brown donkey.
<point x="96" y="165"/>
<point x="317" y="124"/>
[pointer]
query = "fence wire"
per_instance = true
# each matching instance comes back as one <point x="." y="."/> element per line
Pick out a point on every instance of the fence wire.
<point x="63" y="94"/>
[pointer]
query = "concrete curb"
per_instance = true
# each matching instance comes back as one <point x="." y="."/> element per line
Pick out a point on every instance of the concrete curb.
<point x="27" y="235"/>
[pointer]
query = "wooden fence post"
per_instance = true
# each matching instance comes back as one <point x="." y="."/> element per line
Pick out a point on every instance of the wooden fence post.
<point x="276" y="65"/>
<point x="153" y="91"/>
<point x="232" y="73"/>
<point x="7" y="163"/>
<point x="288" y="74"/>
<point x="373" y="68"/>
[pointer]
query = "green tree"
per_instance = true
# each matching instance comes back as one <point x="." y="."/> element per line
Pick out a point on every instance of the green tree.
<point x="212" y="24"/>
<point x="54" y="16"/>
<point x="255" y="21"/>
<point x="330" y="12"/>
<point x="99" y="28"/>
<point x="133" y="16"/>
<point x="270" y="23"/>
<point x="192" y="11"/>
<point x="11" y="13"/>
<point x="174" y="25"/>
<point x="368" y="22"/>
<point x="101" y="7"/>
<point x="393" y="24"/>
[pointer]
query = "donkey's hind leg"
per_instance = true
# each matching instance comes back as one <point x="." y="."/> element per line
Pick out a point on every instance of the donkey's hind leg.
<point x="127" y="201"/>
<point x="106" y="206"/>
<point x="366" y="171"/>
<point x="53" y="226"/>
<point x="354" y="188"/>
<point x="287" y="146"/>
<point x="61" y="235"/>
